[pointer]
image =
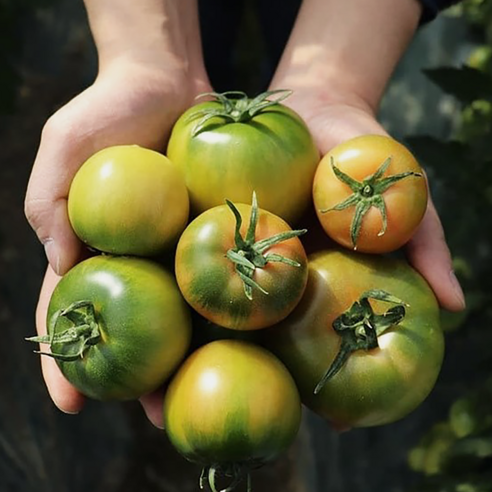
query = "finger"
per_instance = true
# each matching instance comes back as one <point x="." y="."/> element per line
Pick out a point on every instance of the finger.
<point x="429" y="254"/>
<point x="63" y="394"/>
<point x="153" y="406"/>
<point x="59" y="156"/>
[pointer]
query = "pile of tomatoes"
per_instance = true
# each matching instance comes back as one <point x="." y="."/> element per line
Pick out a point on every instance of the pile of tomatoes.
<point x="200" y="286"/>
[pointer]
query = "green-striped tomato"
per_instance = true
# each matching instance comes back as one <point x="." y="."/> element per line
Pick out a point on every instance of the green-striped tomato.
<point x="214" y="284"/>
<point x="231" y="407"/>
<point x="236" y="151"/>
<point x="128" y="200"/>
<point x="119" y="326"/>
<point x="375" y="386"/>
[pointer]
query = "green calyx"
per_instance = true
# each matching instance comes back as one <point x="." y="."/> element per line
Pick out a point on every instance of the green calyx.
<point x="236" y="107"/>
<point x="235" y="472"/>
<point x="367" y="194"/>
<point x="76" y="339"/>
<point x="249" y="255"/>
<point x="359" y="328"/>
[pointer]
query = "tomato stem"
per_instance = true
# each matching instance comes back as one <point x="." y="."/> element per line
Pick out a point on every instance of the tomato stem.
<point x="366" y="194"/>
<point x="236" y="107"/>
<point x="76" y="339"/>
<point x="249" y="255"/>
<point x="359" y="328"/>
<point x="236" y="471"/>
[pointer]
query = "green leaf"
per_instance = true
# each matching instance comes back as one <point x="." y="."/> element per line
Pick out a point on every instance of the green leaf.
<point x="438" y="153"/>
<point x="465" y="83"/>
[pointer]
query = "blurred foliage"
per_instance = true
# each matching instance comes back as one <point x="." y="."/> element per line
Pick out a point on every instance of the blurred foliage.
<point x="11" y="45"/>
<point x="456" y="454"/>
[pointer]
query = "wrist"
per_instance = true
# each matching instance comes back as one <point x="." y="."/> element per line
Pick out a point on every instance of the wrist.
<point x="345" y="52"/>
<point x="157" y="34"/>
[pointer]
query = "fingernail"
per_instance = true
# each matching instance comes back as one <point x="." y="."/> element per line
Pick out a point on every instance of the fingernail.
<point x="67" y="412"/>
<point x="457" y="289"/>
<point x="52" y="254"/>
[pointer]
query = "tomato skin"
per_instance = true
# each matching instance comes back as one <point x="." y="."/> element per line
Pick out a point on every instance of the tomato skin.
<point x="210" y="284"/>
<point x="406" y="200"/>
<point x="128" y="200"/>
<point x="373" y="387"/>
<point x="231" y="402"/>
<point x="145" y="324"/>
<point x="272" y="154"/>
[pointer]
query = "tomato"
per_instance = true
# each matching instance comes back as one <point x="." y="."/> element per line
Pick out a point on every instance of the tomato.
<point x="374" y="386"/>
<point x="231" y="407"/>
<point x="370" y="194"/>
<point x="214" y="281"/>
<point x="232" y="146"/>
<point x="128" y="200"/>
<point x="118" y="327"/>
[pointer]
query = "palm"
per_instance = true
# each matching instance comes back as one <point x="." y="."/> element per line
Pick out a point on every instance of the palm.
<point x="132" y="107"/>
<point x="333" y="123"/>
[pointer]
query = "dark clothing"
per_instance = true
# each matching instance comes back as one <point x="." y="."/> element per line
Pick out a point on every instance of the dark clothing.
<point x="433" y="7"/>
<point x="253" y="33"/>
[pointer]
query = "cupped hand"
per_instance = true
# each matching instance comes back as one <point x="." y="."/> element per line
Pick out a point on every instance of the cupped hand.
<point x="128" y="104"/>
<point x="333" y="121"/>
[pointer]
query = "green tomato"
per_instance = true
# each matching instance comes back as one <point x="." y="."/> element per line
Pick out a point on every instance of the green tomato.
<point x="231" y="407"/>
<point x="374" y="386"/>
<point x="128" y="200"/>
<point x="231" y="154"/>
<point x="214" y="285"/>
<point x="119" y="327"/>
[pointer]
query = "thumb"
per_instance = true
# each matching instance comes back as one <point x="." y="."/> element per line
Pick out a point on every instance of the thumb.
<point x="49" y="219"/>
<point x="57" y="161"/>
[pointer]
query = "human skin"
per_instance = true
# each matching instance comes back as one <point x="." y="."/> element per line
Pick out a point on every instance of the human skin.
<point x="150" y="71"/>
<point x="338" y="61"/>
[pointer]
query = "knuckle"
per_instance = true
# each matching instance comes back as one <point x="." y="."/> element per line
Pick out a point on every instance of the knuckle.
<point x="36" y="215"/>
<point x="60" y="126"/>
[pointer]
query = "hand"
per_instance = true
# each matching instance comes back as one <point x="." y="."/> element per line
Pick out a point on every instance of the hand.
<point x="129" y="104"/>
<point x="332" y="122"/>
<point x="338" y="61"/>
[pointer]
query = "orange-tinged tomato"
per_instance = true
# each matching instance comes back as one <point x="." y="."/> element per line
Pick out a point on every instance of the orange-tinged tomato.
<point x="215" y="285"/>
<point x="389" y="207"/>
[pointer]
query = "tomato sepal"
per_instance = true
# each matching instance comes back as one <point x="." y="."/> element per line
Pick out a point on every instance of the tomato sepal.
<point x="78" y="338"/>
<point x="247" y="255"/>
<point x="237" y="471"/>
<point x="359" y="328"/>
<point x="238" y="109"/>
<point x="366" y="194"/>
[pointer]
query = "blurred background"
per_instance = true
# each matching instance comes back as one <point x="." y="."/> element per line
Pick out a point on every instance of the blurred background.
<point x="438" y="103"/>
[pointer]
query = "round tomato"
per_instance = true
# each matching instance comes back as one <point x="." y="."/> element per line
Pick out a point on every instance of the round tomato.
<point x="117" y="327"/>
<point x="233" y="145"/>
<point x="231" y="407"/>
<point x="370" y="194"/>
<point x="237" y="275"/>
<point x="350" y="298"/>
<point x="128" y="200"/>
